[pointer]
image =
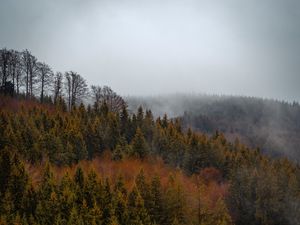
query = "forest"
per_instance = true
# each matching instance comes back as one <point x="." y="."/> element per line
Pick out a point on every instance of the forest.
<point x="70" y="154"/>
<point x="271" y="125"/>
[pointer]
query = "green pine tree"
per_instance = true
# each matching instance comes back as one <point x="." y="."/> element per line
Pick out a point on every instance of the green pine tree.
<point x="139" y="145"/>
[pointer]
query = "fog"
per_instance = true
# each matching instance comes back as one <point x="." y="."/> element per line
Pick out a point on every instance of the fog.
<point x="273" y="126"/>
<point x="157" y="47"/>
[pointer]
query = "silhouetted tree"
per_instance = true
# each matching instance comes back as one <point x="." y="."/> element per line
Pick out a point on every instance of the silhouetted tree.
<point x="115" y="102"/>
<point x="76" y="88"/>
<point x="45" y="75"/>
<point x="29" y="66"/>
<point x="4" y="63"/>
<point x="57" y="87"/>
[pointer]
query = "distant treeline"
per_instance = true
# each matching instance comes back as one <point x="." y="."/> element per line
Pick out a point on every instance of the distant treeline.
<point x="273" y="126"/>
<point x="232" y="184"/>
<point x="21" y="74"/>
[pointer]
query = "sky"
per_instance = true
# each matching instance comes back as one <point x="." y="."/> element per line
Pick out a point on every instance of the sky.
<point x="153" y="47"/>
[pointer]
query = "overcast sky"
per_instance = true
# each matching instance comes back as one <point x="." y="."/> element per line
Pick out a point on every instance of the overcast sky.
<point x="150" y="47"/>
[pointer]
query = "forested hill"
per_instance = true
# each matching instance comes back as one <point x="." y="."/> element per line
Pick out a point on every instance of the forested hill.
<point x="90" y="165"/>
<point x="273" y="126"/>
<point x="64" y="161"/>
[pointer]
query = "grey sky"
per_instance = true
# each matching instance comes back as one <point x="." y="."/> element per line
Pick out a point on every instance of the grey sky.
<point x="244" y="47"/>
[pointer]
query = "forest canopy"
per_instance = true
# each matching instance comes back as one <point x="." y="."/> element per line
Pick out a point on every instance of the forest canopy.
<point x="66" y="162"/>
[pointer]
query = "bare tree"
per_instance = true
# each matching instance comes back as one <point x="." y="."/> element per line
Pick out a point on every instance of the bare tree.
<point x="76" y="88"/>
<point x="10" y="69"/>
<point x="4" y="64"/>
<point x="44" y="76"/>
<point x="18" y="78"/>
<point x="14" y="69"/>
<point x="105" y="94"/>
<point x="30" y="68"/>
<point x="57" y="86"/>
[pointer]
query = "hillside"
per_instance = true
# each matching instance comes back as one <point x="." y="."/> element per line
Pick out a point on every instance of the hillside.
<point x="90" y="165"/>
<point x="73" y="154"/>
<point x="271" y="125"/>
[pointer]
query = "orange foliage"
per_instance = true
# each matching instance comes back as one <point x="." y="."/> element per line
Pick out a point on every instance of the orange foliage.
<point x="211" y="174"/>
<point x="105" y="167"/>
<point x="15" y="105"/>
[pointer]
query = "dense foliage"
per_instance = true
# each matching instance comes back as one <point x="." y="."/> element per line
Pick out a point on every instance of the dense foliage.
<point x="261" y="190"/>
<point x="202" y="179"/>
<point x="273" y="126"/>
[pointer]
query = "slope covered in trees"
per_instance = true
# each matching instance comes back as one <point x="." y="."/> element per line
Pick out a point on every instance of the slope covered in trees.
<point x="64" y="162"/>
<point x="271" y="125"/>
<point x="260" y="190"/>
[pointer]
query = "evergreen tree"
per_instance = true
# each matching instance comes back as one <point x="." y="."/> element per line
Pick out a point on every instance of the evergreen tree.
<point x="139" y="145"/>
<point x="138" y="214"/>
<point x="221" y="215"/>
<point x="175" y="202"/>
<point x="156" y="209"/>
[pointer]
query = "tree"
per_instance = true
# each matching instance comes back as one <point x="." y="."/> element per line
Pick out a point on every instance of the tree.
<point x="45" y="75"/>
<point x="176" y="202"/>
<point x="125" y="128"/>
<point x="105" y="94"/>
<point x="66" y="197"/>
<point x="18" y="182"/>
<point x="196" y="157"/>
<point x="10" y="68"/>
<point x="4" y="63"/>
<point x="57" y="87"/>
<point x="79" y="177"/>
<point x="76" y="88"/>
<point x="143" y="188"/>
<point x="29" y="65"/>
<point x="221" y="215"/>
<point x="156" y="209"/>
<point x="139" y="145"/>
<point x="118" y="152"/>
<point x="138" y="214"/>
<point x="107" y="203"/>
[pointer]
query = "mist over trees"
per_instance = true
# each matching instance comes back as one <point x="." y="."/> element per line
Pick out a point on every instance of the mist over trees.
<point x="65" y="162"/>
<point x="271" y="125"/>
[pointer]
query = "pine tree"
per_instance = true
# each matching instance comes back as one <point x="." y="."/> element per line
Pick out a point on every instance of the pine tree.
<point x="143" y="188"/>
<point x="156" y="209"/>
<point x="120" y="206"/>
<point x="107" y="203"/>
<point x="47" y="208"/>
<point x="75" y="218"/>
<point x="139" y="145"/>
<point x="92" y="189"/>
<point x="196" y="157"/>
<point x="66" y="197"/>
<point x="138" y="214"/>
<point x="221" y="215"/>
<point x="125" y="124"/>
<point x="7" y="206"/>
<point x="118" y="153"/>
<point x="18" y="183"/>
<point x="30" y="201"/>
<point x="5" y="169"/>
<point x="120" y="186"/>
<point x="175" y="202"/>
